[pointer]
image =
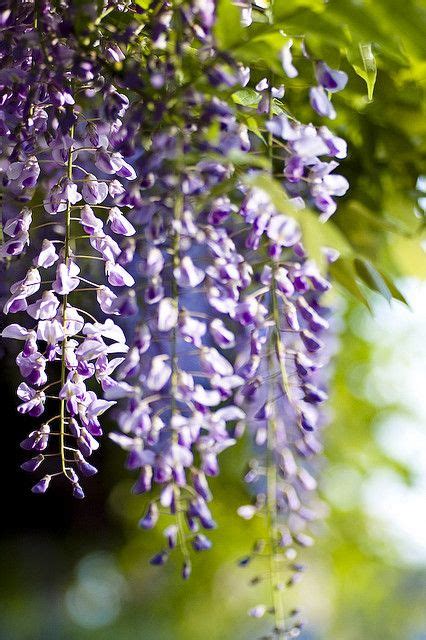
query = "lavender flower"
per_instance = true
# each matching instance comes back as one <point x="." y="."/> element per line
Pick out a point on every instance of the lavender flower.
<point x="150" y="215"/>
<point x="57" y="153"/>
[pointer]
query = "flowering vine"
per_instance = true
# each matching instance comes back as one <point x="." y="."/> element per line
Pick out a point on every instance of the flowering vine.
<point x="155" y="202"/>
<point x="59" y="153"/>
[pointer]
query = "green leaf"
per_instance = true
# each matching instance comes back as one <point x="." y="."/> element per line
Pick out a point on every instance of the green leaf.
<point x="364" y="63"/>
<point x="246" y="97"/>
<point x="263" y="51"/>
<point x="228" y="30"/>
<point x="242" y="159"/>
<point x="378" y="281"/>
<point x="395" y="291"/>
<point x="343" y="272"/>
<point x="319" y="235"/>
<point x="253" y="126"/>
<point x="145" y="4"/>
<point x="372" y="278"/>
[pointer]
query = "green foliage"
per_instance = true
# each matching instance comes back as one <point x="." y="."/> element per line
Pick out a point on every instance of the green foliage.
<point x="364" y="63"/>
<point x="228" y="29"/>
<point x="381" y="46"/>
<point x="359" y="589"/>
<point x="377" y="281"/>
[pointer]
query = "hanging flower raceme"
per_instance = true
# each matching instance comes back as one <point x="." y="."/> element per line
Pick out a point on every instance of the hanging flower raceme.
<point x="288" y="347"/>
<point x="191" y="275"/>
<point x="74" y="164"/>
<point x="159" y="206"/>
<point x="283" y="396"/>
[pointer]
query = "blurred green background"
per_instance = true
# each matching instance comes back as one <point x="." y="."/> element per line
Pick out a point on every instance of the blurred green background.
<point x="79" y="571"/>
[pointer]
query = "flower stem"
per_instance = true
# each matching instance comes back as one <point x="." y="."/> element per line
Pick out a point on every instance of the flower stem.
<point x="271" y="474"/>
<point x="64" y="311"/>
<point x="178" y="209"/>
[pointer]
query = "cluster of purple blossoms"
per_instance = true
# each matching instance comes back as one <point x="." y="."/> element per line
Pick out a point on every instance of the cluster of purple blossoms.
<point x="286" y="364"/>
<point x="288" y="338"/>
<point x="141" y="183"/>
<point x="179" y="376"/>
<point x="50" y="147"/>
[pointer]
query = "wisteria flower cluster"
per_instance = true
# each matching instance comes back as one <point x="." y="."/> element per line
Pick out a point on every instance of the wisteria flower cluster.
<point x="157" y="270"/>
<point x="53" y="147"/>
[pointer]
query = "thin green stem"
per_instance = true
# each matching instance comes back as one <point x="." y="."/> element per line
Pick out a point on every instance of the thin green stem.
<point x="103" y="15"/>
<point x="279" y="345"/>
<point x="89" y="257"/>
<point x="64" y="311"/>
<point x="45" y="224"/>
<point x="271" y="474"/>
<point x="180" y="520"/>
<point x="85" y="312"/>
<point x="275" y="571"/>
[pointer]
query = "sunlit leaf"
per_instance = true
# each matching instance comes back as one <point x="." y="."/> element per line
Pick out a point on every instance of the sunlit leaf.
<point x="246" y="97"/>
<point x="364" y="63"/>
<point x="372" y="278"/>
<point x="228" y="29"/>
<point x="342" y="271"/>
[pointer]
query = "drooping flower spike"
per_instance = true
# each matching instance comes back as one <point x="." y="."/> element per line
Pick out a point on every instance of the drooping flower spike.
<point x="70" y="160"/>
<point x="133" y="197"/>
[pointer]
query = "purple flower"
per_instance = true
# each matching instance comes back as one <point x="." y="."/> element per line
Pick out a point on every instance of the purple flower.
<point x="213" y="362"/>
<point x="191" y="330"/>
<point x="311" y="342"/>
<point x="33" y="400"/>
<point x="91" y="224"/>
<point x="258" y="611"/>
<point x="19" y="224"/>
<point x="201" y="543"/>
<point x="85" y="467"/>
<point x="280" y="127"/>
<point x="167" y="314"/>
<point x="187" y="274"/>
<point x="106" y="299"/>
<point x="249" y="311"/>
<point x="17" y="332"/>
<point x="47" y="256"/>
<point x="321" y="103"/>
<point x="221" y="335"/>
<point x="160" y="558"/>
<point x="119" y="224"/>
<point x="154" y="263"/>
<point x="66" y="277"/>
<point x="94" y="192"/>
<point x="331" y="79"/>
<point x="108" y="162"/>
<point x="106" y="246"/>
<point x="77" y="491"/>
<point x="24" y="174"/>
<point x="287" y="60"/>
<point x="294" y="169"/>
<point x="150" y="518"/>
<point x="42" y="485"/>
<point x="309" y="144"/>
<point x="126" y="171"/>
<point x="171" y="535"/>
<point x="313" y="395"/>
<point x="45" y="308"/>
<point x="283" y="230"/>
<point x="159" y="373"/>
<point x="118" y="276"/>
<point x="32" y="464"/>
